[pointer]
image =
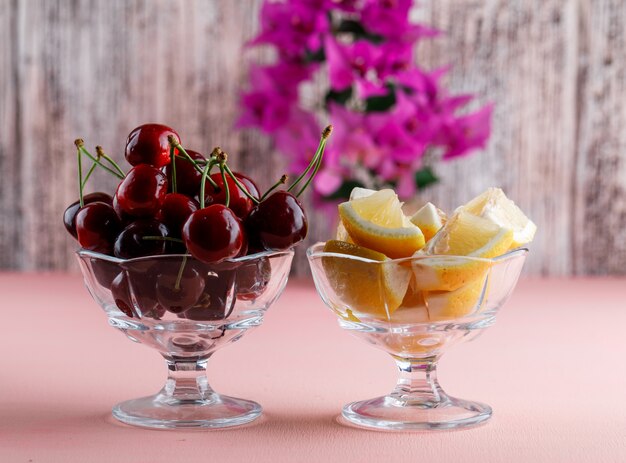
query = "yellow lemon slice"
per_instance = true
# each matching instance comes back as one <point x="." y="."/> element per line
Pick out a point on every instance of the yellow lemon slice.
<point x="446" y="273"/>
<point x="377" y="222"/>
<point x="496" y="207"/>
<point x="429" y="219"/>
<point x="466" y="234"/>
<point x="450" y="305"/>
<point x="375" y="287"/>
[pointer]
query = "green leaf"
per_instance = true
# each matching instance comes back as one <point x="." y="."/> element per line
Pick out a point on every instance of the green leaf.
<point x="381" y="103"/>
<point x="338" y="96"/>
<point x="317" y="56"/>
<point x="425" y="177"/>
<point x="343" y="192"/>
<point x="351" y="26"/>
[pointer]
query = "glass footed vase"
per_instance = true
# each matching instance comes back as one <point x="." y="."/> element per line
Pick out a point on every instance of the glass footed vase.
<point x="415" y="309"/>
<point x="186" y="310"/>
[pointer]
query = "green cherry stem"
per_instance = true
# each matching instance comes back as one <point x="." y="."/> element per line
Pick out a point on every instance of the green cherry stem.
<point x="240" y="185"/>
<point x="205" y="174"/>
<point x="226" y="187"/>
<point x="101" y="154"/>
<point x="80" y="177"/>
<point x="80" y="144"/>
<point x="180" y="273"/>
<point x="280" y="182"/>
<point x="89" y="172"/>
<point x="314" y="160"/>
<point x="175" y="143"/>
<point x="173" y="162"/>
<point x="162" y="238"/>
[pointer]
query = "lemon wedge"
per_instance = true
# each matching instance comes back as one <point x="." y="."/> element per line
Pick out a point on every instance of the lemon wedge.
<point x="493" y="205"/>
<point x="429" y="219"/>
<point x="466" y="234"/>
<point x="375" y="286"/>
<point x="447" y="273"/>
<point x="450" y="305"/>
<point x="378" y="223"/>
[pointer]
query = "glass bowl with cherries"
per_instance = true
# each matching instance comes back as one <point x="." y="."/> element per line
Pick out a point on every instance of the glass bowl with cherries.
<point x="185" y="257"/>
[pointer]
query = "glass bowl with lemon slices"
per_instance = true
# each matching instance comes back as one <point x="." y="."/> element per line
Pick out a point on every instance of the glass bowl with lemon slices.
<point x="414" y="286"/>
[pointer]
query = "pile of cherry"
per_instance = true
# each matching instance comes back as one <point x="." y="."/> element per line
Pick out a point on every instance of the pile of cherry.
<point x="170" y="202"/>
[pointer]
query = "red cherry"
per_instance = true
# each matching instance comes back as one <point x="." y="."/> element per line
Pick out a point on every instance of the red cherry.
<point x="120" y="290"/>
<point x="142" y="191"/>
<point x="178" y="298"/>
<point x="130" y="242"/>
<point x="97" y="225"/>
<point x="253" y="277"/>
<point x="276" y="223"/>
<point x="175" y="211"/>
<point x="148" y="144"/>
<point x="187" y="176"/>
<point x="213" y="234"/>
<point x="69" y="216"/>
<point x="240" y="204"/>
<point x="248" y="183"/>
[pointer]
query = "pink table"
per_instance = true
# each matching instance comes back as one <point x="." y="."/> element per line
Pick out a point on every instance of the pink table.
<point x="553" y="368"/>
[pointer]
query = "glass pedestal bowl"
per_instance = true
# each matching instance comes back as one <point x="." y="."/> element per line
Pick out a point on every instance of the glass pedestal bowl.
<point x="186" y="310"/>
<point x="415" y="309"/>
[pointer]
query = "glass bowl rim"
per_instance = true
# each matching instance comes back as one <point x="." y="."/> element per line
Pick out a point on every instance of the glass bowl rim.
<point x="116" y="260"/>
<point x="313" y="253"/>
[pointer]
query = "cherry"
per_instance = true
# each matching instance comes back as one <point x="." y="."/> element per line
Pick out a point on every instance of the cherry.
<point x="148" y="144"/>
<point x="97" y="225"/>
<point x="120" y="290"/>
<point x="142" y="276"/>
<point x="217" y="301"/>
<point x="69" y="216"/>
<point x="131" y="243"/>
<point x="276" y="223"/>
<point x="240" y="204"/>
<point x="252" y="278"/>
<point x="213" y="234"/>
<point x="178" y="294"/>
<point x="104" y="271"/>
<point x="142" y="191"/>
<point x="124" y="217"/>
<point x="187" y="176"/>
<point x="175" y="211"/>
<point x="248" y="183"/>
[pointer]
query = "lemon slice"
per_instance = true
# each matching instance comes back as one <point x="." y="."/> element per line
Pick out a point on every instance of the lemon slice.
<point x="377" y="222"/>
<point x="450" y="305"/>
<point x="429" y="219"/>
<point x="466" y="234"/>
<point x="495" y="206"/>
<point x="446" y="273"/>
<point x="357" y="192"/>
<point x="375" y="287"/>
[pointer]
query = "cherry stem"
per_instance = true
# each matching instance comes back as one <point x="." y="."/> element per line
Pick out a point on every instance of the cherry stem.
<point x="101" y="154"/>
<point x="180" y="273"/>
<point x="175" y="143"/>
<point x="89" y="172"/>
<point x="80" y="144"/>
<point x="173" y="162"/>
<point x="280" y="182"/>
<point x="226" y="187"/>
<point x="314" y="160"/>
<point x="319" y="154"/>
<point x="80" y="177"/>
<point x="162" y="238"/>
<point x="240" y="185"/>
<point x="205" y="174"/>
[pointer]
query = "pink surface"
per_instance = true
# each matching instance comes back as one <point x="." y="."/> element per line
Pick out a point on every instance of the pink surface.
<point x="552" y="368"/>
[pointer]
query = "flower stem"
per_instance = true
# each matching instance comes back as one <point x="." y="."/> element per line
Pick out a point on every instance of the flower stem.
<point x="314" y="160"/>
<point x="280" y="182"/>
<point x="101" y="154"/>
<point x="80" y="144"/>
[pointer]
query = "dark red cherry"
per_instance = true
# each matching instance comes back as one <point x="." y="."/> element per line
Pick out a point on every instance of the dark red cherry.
<point x="187" y="176"/>
<point x="175" y="211"/>
<point x="248" y="183"/>
<point x="69" y="216"/>
<point x="104" y="271"/>
<point x="148" y="144"/>
<point x="253" y="277"/>
<point x="142" y="191"/>
<point x="217" y="300"/>
<point x="97" y="225"/>
<point x="131" y="243"/>
<point x="177" y="295"/>
<point x="213" y="234"/>
<point x="276" y="223"/>
<point x="240" y="204"/>
<point x="120" y="290"/>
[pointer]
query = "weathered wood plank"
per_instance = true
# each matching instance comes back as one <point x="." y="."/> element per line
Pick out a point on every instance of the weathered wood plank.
<point x="599" y="219"/>
<point x="10" y="242"/>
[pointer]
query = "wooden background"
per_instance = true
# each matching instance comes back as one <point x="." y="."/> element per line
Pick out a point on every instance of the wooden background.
<point x="95" y="69"/>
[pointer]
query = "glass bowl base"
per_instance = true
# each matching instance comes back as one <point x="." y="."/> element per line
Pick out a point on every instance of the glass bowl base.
<point x="163" y="412"/>
<point x="391" y="414"/>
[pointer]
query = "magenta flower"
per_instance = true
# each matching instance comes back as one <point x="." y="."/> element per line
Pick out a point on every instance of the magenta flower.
<point x="466" y="133"/>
